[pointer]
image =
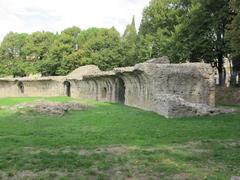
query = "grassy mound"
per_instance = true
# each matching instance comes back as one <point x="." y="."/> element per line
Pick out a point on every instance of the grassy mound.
<point x="112" y="141"/>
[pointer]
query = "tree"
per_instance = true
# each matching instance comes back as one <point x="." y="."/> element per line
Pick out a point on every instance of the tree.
<point x="37" y="45"/>
<point x="21" y="68"/>
<point x="103" y="49"/>
<point x="233" y="33"/>
<point x="12" y="45"/>
<point x="71" y="62"/>
<point x="48" y="67"/>
<point x="144" y="47"/>
<point x="233" y="36"/>
<point x="129" y="40"/>
<point x="192" y="30"/>
<point x="203" y="32"/>
<point x="158" y="25"/>
<point x="62" y="46"/>
<point x="4" y="68"/>
<point x="73" y="33"/>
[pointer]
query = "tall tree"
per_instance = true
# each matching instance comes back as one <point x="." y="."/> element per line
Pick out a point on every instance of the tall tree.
<point x="103" y="49"/>
<point x="158" y="25"/>
<point x="129" y="40"/>
<point x="203" y="32"/>
<point x="233" y="32"/>
<point x="192" y="30"/>
<point x="233" y="35"/>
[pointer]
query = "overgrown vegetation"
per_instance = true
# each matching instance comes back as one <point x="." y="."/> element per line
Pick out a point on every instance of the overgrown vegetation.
<point x="116" y="141"/>
<point x="184" y="30"/>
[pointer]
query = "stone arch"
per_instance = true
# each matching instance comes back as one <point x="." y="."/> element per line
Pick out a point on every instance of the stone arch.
<point x="104" y="93"/>
<point x="20" y="86"/>
<point x="67" y="86"/>
<point x="121" y="91"/>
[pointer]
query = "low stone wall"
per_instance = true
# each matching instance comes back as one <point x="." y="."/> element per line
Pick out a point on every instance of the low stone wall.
<point x="44" y="88"/>
<point x="31" y="87"/>
<point x="9" y="88"/>
<point x="172" y="90"/>
<point x="227" y="95"/>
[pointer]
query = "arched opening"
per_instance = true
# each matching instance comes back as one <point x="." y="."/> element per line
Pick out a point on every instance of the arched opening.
<point x="104" y="93"/>
<point x="20" y="87"/>
<point x="67" y="85"/>
<point x="121" y="91"/>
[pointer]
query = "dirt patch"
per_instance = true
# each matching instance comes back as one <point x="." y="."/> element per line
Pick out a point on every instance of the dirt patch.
<point x="46" y="107"/>
<point x="114" y="150"/>
<point x="180" y="176"/>
<point x="119" y="150"/>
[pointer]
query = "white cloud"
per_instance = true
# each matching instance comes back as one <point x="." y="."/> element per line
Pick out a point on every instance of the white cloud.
<point x="56" y="15"/>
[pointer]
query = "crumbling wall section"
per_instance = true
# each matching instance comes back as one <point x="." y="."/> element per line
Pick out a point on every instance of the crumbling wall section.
<point x="193" y="82"/>
<point x="179" y="90"/>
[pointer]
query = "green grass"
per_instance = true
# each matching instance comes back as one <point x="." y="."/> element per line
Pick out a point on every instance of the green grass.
<point x="115" y="141"/>
<point x="13" y="101"/>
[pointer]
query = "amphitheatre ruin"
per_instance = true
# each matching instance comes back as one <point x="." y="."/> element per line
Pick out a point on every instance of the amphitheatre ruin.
<point x="171" y="90"/>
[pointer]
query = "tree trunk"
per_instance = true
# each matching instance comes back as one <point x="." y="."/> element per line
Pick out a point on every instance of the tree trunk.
<point x="220" y="45"/>
<point x="220" y="70"/>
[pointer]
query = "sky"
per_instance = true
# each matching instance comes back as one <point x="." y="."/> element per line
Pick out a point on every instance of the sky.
<point x="56" y="15"/>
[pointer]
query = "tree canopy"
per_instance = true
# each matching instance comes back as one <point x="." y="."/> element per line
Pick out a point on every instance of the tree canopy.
<point x="184" y="30"/>
<point x="192" y="30"/>
<point x="59" y="54"/>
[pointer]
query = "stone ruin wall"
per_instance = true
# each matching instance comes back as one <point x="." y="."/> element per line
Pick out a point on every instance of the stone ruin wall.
<point x="36" y="87"/>
<point x="128" y="88"/>
<point x="172" y="90"/>
<point x="98" y="88"/>
<point x="9" y="88"/>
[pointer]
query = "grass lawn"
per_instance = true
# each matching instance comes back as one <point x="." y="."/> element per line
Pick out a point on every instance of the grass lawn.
<point x="112" y="141"/>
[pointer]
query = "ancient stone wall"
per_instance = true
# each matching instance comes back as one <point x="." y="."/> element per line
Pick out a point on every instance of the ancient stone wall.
<point x="31" y="87"/>
<point x="10" y="88"/>
<point x="44" y="88"/>
<point x="172" y="90"/>
<point x="227" y="95"/>
<point x="192" y="82"/>
<point x="96" y="88"/>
